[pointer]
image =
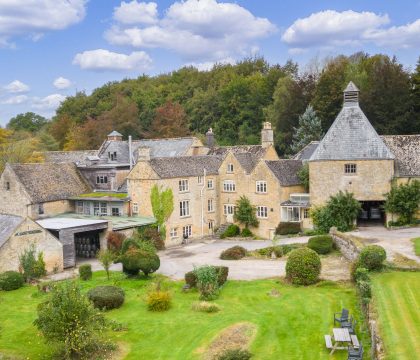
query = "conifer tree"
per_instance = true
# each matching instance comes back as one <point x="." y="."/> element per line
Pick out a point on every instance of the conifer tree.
<point x="310" y="129"/>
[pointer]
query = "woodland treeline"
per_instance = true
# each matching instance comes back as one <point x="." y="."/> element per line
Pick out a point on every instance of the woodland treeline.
<point x="232" y="99"/>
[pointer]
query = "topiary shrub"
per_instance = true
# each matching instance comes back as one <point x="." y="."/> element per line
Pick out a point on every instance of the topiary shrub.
<point x="134" y="260"/>
<point x="115" y="240"/>
<point x="11" y="280"/>
<point x="85" y="272"/>
<point x="286" y="228"/>
<point x="235" y="354"/>
<point x="159" y="300"/>
<point x="246" y="233"/>
<point x="233" y="253"/>
<point x="232" y="230"/>
<point x="322" y="244"/>
<point x="303" y="267"/>
<point x="148" y="262"/>
<point x="106" y="297"/>
<point x="372" y="257"/>
<point x="222" y="271"/>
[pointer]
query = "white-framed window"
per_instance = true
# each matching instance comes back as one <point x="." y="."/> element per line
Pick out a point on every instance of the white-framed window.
<point x="229" y="186"/>
<point x="102" y="179"/>
<point x="86" y="207"/>
<point x="96" y="209"/>
<point x="184" y="208"/>
<point x="200" y="180"/>
<point x="173" y="233"/>
<point x="230" y="168"/>
<point x="261" y="186"/>
<point x="116" y="211"/>
<point x="306" y="214"/>
<point x="135" y="208"/>
<point x="210" y="205"/>
<point x="228" y="209"/>
<point x="350" y="168"/>
<point x="104" y="209"/>
<point x="187" y="231"/>
<point x="210" y="184"/>
<point x="183" y="185"/>
<point x="262" y="212"/>
<point x="79" y="207"/>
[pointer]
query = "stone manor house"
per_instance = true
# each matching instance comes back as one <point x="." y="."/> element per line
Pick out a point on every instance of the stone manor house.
<point x="68" y="204"/>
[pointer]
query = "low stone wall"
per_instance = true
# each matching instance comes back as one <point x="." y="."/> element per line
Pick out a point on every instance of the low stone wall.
<point x="349" y="245"/>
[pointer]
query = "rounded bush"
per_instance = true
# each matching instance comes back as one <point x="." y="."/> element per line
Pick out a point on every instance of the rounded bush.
<point x="135" y="260"/>
<point x="106" y="297"/>
<point x="159" y="300"/>
<point x="11" y="280"/>
<point x="371" y="257"/>
<point x="148" y="262"/>
<point x="233" y="253"/>
<point x="222" y="271"/>
<point x="303" y="266"/>
<point x="286" y="228"/>
<point x="246" y="233"/>
<point x="322" y="244"/>
<point x="232" y="230"/>
<point x="85" y="272"/>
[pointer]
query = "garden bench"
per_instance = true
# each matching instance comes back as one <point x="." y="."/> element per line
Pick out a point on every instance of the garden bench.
<point x="355" y="341"/>
<point x="328" y="342"/>
<point x="350" y="325"/>
<point x="355" y="354"/>
<point x="344" y="316"/>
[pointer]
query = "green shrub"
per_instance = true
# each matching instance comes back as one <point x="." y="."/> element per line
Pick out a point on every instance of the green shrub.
<point x="159" y="300"/>
<point x="246" y="233"/>
<point x="204" y="306"/>
<point x="135" y="260"/>
<point x="232" y="230"/>
<point x="353" y="268"/>
<point x="372" y="257"/>
<point x="207" y="282"/>
<point x="148" y="262"/>
<point x="322" y="244"/>
<point x="233" y="253"/>
<point x="404" y="200"/>
<point x="32" y="265"/>
<point x="68" y="318"/>
<point x="235" y="354"/>
<point x="267" y="251"/>
<point x="303" y="266"/>
<point x="151" y="234"/>
<point x="365" y="290"/>
<point x="85" y="272"/>
<point x="11" y="280"/>
<point x="286" y="228"/>
<point x="106" y="297"/>
<point x="136" y="243"/>
<point x="222" y="271"/>
<point x="361" y="274"/>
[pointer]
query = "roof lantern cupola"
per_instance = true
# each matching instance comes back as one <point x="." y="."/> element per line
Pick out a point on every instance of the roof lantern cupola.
<point x="351" y="95"/>
<point x="115" y="136"/>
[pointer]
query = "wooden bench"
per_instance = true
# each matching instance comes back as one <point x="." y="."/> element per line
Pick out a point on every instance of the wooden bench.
<point x="328" y="341"/>
<point x="355" y="341"/>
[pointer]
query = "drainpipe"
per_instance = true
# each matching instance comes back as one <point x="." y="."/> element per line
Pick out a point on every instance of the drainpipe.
<point x="202" y="203"/>
<point x="130" y="155"/>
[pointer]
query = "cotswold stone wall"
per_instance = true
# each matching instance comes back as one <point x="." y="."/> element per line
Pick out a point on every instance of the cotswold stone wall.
<point x="349" y="245"/>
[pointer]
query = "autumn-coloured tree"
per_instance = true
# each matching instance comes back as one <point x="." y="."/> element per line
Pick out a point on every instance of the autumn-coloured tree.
<point x="170" y="121"/>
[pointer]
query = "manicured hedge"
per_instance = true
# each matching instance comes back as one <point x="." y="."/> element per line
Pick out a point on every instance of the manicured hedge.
<point x="322" y="244"/>
<point x="303" y="266"/>
<point x="233" y="253"/>
<point x="286" y="228"/>
<point x="11" y="280"/>
<point x="223" y="272"/>
<point x="372" y="257"/>
<point x="106" y="297"/>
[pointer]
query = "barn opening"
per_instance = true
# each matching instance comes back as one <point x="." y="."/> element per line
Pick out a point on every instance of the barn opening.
<point x="372" y="213"/>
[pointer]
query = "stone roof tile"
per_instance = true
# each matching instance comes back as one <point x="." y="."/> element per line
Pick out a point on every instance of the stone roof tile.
<point x="286" y="171"/>
<point x="186" y="166"/>
<point x="8" y="224"/>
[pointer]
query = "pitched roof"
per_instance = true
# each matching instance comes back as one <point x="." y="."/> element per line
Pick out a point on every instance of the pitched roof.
<point x="247" y="160"/>
<point x="186" y="166"/>
<point x="114" y="133"/>
<point x="8" y="224"/>
<point x="256" y="150"/>
<point x="351" y="137"/>
<point x="78" y="157"/>
<point x="286" y="171"/>
<point x="50" y="182"/>
<point x="351" y="87"/>
<point x="406" y="149"/>
<point x="306" y="152"/>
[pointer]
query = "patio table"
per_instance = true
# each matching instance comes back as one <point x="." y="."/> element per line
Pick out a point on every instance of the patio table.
<point x="340" y="335"/>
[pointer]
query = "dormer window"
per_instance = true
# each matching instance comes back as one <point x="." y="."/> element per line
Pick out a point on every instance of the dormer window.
<point x="112" y="155"/>
<point x="102" y="179"/>
<point x="230" y="168"/>
<point x="350" y="168"/>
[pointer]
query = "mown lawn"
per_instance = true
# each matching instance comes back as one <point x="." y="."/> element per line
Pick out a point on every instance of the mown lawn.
<point x="397" y="303"/>
<point x="416" y="242"/>
<point x="291" y="326"/>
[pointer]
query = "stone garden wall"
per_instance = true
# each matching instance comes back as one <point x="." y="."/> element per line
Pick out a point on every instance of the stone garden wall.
<point x="349" y="245"/>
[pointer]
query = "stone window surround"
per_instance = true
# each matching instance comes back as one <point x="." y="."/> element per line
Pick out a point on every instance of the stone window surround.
<point x="210" y="205"/>
<point x="350" y="168"/>
<point x="229" y="186"/>
<point x="187" y="231"/>
<point x="174" y="232"/>
<point x="135" y="208"/>
<point x="183" y="185"/>
<point x="210" y="184"/>
<point x="184" y="208"/>
<point x="229" y="169"/>
<point x="228" y="209"/>
<point x="261" y="187"/>
<point x="262" y="212"/>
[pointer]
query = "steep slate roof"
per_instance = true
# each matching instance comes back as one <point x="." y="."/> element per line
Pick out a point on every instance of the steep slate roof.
<point x="285" y="171"/>
<point x="50" y="182"/>
<point x="406" y="149"/>
<point x="114" y="133"/>
<point x="256" y="150"/>
<point x="307" y="151"/>
<point x="351" y="137"/>
<point x="8" y="224"/>
<point x="247" y="161"/>
<point x="78" y="157"/>
<point x="185" y="166"/>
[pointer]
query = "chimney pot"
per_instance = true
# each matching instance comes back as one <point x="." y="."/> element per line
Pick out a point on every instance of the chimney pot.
<point x="210" y="138"/>
<point x="267" y="135"/>
<point x="143" y="154"/>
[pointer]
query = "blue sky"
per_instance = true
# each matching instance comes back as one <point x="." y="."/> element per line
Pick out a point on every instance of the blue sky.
<point x="49" y="49"/>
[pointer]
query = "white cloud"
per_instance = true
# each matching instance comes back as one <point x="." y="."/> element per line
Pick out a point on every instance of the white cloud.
<point x="15" y="100"/>
<point x="50" y="102"/>
<point x="136" y="13"/>
<point x="198" y="30"/>
<point x="16" y="86"/>
<point x="62" y="83"/>
<point x="35" y="17"/>
<point x="331" y="28"/>
<point x="208" y="65"/>
<point x="101" y="60"/>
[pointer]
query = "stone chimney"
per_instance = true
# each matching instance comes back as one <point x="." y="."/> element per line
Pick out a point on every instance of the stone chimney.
<point x="351" y="95"/>
<point x="267" y="135"/>
<point x="115" y="136"/>
<point x="210" y="138"/>
<point x="143" y="153"/>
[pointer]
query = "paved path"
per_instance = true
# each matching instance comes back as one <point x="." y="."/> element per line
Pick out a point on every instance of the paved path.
<point x="393" y="241"/>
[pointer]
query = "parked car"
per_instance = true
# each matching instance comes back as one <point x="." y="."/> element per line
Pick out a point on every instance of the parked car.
<point x="375" y="213"/>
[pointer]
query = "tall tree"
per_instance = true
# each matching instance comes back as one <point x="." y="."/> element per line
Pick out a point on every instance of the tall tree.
<point x="29" y="121"/>
<point x="310" y="129"/>
<point x="170" y="121"/>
